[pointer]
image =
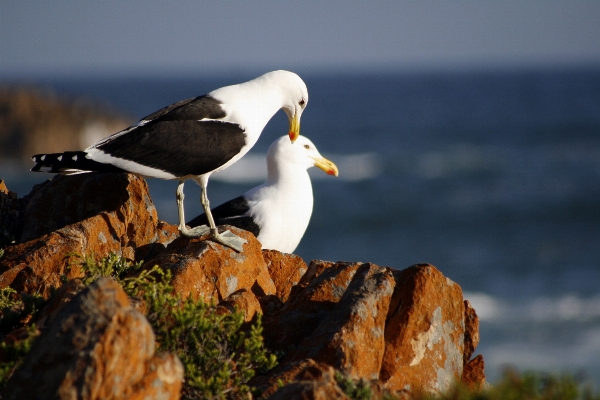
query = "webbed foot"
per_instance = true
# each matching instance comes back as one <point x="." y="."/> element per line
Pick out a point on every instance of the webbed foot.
<point x="229" y="239"/>
<point x="191" y="233"/>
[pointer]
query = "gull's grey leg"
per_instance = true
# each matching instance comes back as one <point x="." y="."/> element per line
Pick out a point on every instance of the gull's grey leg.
<point x="185" y="231"/>
<point x="226" y="238"/>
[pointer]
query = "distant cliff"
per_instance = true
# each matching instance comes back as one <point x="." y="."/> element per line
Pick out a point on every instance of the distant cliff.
<point x="397" y="332"/>
<point x="34" y="120"/>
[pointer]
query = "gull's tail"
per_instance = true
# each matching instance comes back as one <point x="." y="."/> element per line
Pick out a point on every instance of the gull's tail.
<point x="70" y="163"/>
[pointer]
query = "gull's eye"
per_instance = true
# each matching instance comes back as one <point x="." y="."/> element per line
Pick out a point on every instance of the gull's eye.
<point x="306" y="146"/>
<point x="302" y="102"/>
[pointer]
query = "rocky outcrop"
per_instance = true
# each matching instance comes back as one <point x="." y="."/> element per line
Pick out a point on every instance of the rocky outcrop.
<point x="87" y="214"/>
<point x="399" y="330"/>
<point x="425" y="331"/>
<point x="37" y="120"/>
<point x="106" y="351"/>
<point x="352" y="338"/>
<point x="207" y="270"/>
<point x="404" y="329"/>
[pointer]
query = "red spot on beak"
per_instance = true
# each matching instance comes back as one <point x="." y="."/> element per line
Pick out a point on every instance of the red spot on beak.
<point x="330" y="172"/>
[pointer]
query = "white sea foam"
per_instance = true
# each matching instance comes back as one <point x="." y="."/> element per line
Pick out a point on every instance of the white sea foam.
<point x="487" y="307"/>
<point x="456" y="159"/>
<point x="565" y="308"/>
<point x="551" y="334"/>
<point x="568" y="307"/>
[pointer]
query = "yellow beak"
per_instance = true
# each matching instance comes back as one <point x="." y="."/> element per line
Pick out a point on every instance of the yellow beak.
<point x="326" y="165"/>
<point x="294" y="128"/>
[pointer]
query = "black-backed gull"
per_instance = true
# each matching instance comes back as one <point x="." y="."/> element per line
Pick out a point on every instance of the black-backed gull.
<point x="192" y="139"/>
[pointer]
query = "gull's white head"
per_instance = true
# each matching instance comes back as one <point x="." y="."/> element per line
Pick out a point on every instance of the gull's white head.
<point x="300" y="154"/>
<point x="294" y="97"/>
<point x="252" y="104"/>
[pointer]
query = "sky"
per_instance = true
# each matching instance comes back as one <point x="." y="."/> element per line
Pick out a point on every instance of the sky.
<point x="136" y="36"/>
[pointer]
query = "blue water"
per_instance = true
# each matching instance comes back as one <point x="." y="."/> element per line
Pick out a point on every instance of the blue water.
<point x="492" y="176"/>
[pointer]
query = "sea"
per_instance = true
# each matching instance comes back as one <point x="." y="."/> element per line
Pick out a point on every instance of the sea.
<point x="491" y="175"/>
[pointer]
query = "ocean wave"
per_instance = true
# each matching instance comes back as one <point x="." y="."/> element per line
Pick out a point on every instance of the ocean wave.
<point x="487" y="307"/>
<point x="551" y="334"/>
<point x="567" y="307"/>
<point x="582" y="354"/>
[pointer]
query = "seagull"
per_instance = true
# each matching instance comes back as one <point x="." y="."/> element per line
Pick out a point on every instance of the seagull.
<point x="278" y="211"/>
<point x="192" y="139"/>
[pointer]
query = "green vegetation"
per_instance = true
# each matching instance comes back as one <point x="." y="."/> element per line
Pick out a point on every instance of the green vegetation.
<point x="15" y="313"/>
<point x="16" y="310"/>
<point x="14" y="352"/>
<point x="527" y="386"/>
<point x="355" y="389"/>
<point x="512" y="386"/>
<point x="114" y="266"/>
<point x="218" y="355"/>
<point x="7" y="295"/>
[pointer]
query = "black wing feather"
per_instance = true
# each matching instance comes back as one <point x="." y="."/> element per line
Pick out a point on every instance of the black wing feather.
<point x="173" y="139"/>
<point x="195" y="108"/>
<point x="76" y="160"/>
<point x="230" y="213"/>
<point x="179" y="147"/>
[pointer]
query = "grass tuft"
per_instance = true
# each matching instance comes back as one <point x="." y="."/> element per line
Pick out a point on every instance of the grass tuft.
<point x="114" y="266"/>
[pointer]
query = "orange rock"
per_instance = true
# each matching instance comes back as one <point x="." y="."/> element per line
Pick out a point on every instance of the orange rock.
<point x="66" y="200"/>
<point x="282" y="374"/>
<point x="243" y="301"/>
<point x="404" y="328"/>
<point x="351" y="338"/>
<point x="205" y="269"/>
<point x="76" y="214"/>
<point x="105" y="348"/>
<point x="285" y="271"/>
<point x="316" y="268"/>
<point x="37" y="266"/>
<point x="471" y="332"/>
<point x="309" y="304"/>
<point x="305" y="379"/>
<point x="310" y="390"/>
<point x="165" y="234"/>
<point x="424" y="334"/>
<point x="61" y="298"/>
<point x="473" y="374"/>
<point x="162" y="381"/>
<point x="119" y="357"/>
